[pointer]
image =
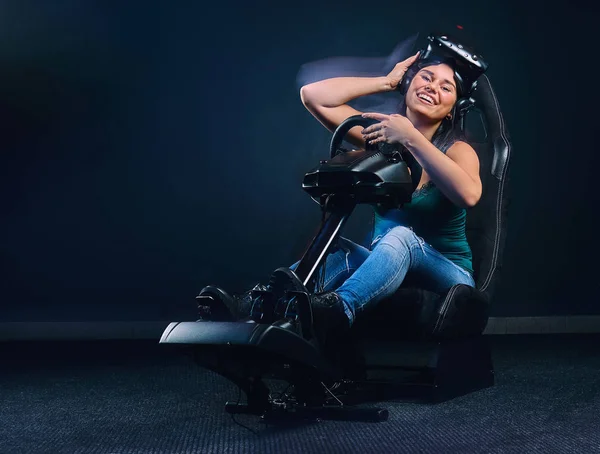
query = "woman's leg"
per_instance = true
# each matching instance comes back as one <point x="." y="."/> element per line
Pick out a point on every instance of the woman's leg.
<point x="341" y="263"/>
<point x="398" y="252"/>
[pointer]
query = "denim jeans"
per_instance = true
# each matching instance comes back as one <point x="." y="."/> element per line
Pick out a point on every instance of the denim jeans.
<point x="363" y="277"/>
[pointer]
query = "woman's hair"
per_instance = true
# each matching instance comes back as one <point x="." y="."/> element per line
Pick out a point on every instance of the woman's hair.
<point x="448" y="131"/>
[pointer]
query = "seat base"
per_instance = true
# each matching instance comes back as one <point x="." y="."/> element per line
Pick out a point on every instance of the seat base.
<point x="432" y="371"/>
<point x="425" y="371"/>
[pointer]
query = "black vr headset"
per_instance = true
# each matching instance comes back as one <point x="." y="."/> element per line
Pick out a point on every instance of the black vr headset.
<point x="467" y="65"/>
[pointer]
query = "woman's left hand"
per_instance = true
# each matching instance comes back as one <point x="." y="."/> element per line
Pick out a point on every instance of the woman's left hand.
<point x="391" y="129"/>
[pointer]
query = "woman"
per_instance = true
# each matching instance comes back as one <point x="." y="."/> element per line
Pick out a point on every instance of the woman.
<point x="424" y="241"/>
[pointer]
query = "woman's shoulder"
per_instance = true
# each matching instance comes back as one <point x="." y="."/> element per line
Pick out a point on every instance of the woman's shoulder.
<point x="460" y="143"/>
<point x="460" y="147"/>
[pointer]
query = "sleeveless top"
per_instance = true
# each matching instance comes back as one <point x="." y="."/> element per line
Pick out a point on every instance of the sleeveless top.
<point x="433" y="217"/>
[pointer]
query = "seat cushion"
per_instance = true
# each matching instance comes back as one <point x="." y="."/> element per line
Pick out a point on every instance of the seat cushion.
<point x="414" y="313"/>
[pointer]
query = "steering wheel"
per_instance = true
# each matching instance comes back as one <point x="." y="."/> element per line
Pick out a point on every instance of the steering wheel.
<point x="358" y="120"/>
<point x="345" y="126"/>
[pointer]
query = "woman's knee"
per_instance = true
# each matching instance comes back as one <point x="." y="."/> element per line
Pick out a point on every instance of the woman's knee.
<point x="399" y="237"/>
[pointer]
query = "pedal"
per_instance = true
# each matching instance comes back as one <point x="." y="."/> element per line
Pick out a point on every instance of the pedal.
<point x="263" y="306"/>
<point x="301" y="302"/>
<point x="204" y="307"/>
<point x="284" y="280"/>
<point x="215" y="304"/>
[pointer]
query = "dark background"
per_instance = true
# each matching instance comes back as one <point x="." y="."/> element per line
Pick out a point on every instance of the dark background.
<point x="150" y="149"/>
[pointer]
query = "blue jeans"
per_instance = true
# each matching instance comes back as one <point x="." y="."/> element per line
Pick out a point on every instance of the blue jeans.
<point x="364" y="277"/>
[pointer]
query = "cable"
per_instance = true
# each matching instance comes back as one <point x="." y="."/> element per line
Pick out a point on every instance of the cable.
<point x="255" y="432"/>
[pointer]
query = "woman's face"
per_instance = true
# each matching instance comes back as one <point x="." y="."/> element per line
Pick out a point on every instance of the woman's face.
<point x="432" y="92"/>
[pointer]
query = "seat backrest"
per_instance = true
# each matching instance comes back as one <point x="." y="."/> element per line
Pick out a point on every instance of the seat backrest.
<point x="487" y="221"/>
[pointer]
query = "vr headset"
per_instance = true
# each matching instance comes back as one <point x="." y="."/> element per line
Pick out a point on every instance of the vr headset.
<point x="467" y="65"/>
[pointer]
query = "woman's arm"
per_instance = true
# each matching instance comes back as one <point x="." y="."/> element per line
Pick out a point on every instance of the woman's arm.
<point x="455" y="173"/>
<point x="327" y="99"/>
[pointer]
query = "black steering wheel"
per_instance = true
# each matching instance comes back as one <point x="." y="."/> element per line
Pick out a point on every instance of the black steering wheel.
<point x="358" y="120"/>
<point x="345" y="126"/>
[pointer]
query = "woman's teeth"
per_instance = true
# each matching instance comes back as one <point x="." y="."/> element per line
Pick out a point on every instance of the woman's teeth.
<point x="426" y="98"/>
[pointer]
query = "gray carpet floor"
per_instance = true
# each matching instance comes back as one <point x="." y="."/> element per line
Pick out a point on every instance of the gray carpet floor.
<point x="135" y="397"/>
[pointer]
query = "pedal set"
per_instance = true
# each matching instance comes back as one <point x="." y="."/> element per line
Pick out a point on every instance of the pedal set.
<point x="285" y="297"/>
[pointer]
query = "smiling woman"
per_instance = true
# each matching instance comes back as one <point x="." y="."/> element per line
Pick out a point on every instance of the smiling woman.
<point x="422" y="242"/>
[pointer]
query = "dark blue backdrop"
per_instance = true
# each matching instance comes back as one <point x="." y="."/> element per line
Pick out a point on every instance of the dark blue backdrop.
<point x="150" y="150"/>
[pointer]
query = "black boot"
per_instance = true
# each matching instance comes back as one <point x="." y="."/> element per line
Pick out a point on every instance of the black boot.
<point x="329" y="318"/>
<point x="216" y="304"/>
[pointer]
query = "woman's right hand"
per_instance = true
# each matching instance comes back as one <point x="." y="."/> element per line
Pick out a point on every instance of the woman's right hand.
<point x="397" y="74"/>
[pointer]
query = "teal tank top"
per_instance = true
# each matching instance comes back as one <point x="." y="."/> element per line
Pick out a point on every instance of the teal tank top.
<point x="433" y="217"/>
